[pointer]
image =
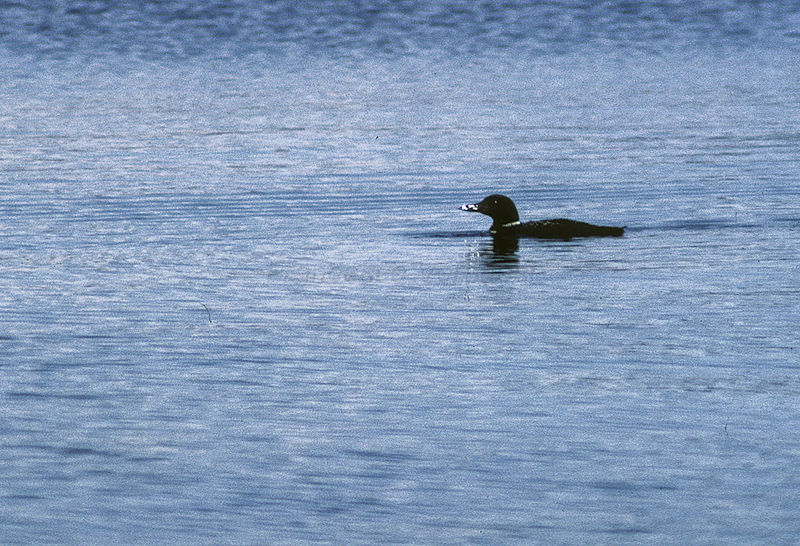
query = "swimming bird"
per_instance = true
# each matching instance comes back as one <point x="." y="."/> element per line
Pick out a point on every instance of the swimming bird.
<point x="506" y="222"/>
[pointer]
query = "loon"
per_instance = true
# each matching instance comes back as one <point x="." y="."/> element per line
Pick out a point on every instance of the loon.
<point x="507" y="224"/>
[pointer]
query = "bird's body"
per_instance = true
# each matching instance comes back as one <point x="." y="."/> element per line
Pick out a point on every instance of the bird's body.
<point x="506" y="222"/>
<point x="558" y="228"/>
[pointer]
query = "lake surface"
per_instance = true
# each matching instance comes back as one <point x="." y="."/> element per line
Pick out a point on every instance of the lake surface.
<point x="239" y="304"/>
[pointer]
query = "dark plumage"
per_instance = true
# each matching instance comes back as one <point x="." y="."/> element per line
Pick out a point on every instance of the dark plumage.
<point x="506" y="222"/>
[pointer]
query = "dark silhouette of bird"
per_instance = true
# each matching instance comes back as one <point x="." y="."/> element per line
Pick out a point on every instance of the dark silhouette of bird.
<point x="506" y="222"/>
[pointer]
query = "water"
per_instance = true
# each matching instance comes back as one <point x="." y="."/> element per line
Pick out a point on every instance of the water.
<point x="238" y="302"/>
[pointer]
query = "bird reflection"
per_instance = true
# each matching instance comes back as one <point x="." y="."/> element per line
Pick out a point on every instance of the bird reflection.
<point x="501" y="253"/>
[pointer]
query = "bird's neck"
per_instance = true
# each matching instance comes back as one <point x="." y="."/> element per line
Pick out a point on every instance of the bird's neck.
<point x="498" y="226"/>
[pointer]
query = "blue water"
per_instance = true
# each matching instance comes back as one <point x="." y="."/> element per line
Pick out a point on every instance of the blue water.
<point x="239" y="304"/>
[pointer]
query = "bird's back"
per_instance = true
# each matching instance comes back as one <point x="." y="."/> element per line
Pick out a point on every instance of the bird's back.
<point x="562" y="228"/>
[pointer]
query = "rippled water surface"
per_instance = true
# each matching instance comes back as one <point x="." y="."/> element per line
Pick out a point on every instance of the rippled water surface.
<point x="238" y="302"/>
